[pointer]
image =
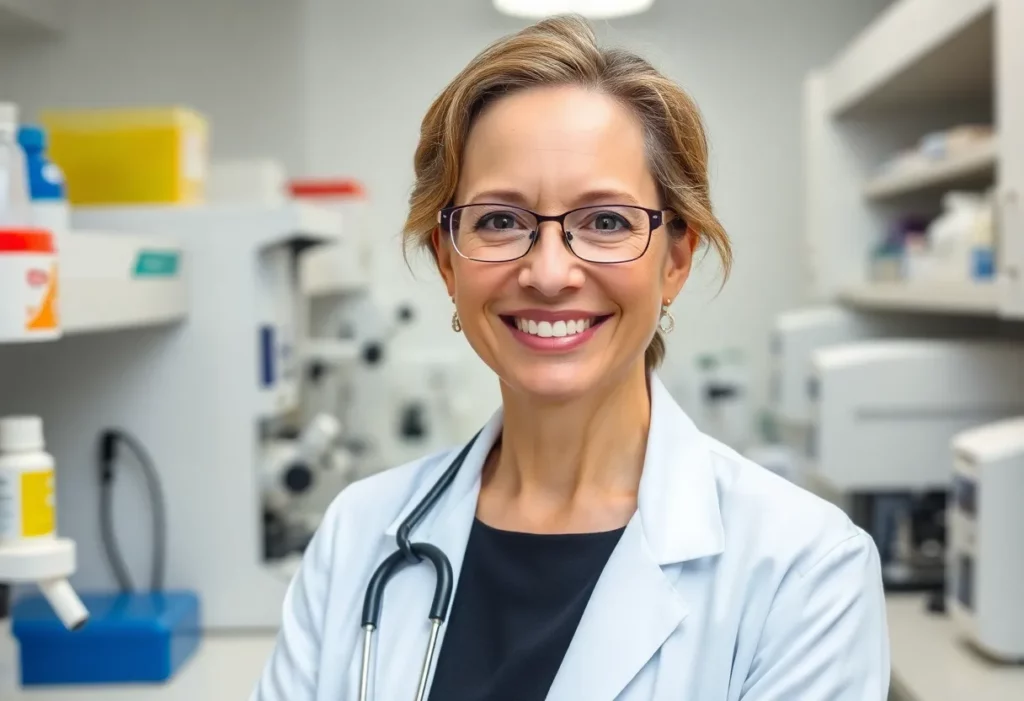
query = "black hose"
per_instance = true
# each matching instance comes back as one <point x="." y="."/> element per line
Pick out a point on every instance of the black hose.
<point x="108" y="453"/>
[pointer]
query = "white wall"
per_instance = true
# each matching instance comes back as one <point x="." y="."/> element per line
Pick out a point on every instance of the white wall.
<point x="237" y="61"/>
<point x="339" y="87"/>
<point x="374" y="68"/>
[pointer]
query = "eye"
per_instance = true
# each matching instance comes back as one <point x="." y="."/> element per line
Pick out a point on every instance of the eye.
<point x="608" y="221"/>
<point x="497" y="221"/>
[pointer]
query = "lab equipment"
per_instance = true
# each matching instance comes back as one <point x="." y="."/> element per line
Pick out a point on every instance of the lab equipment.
<point x="408" y="553"/>
<point x="797" y="334"/>
<point x="885" y="410"/>
<point x="292" y="468"/>
<point x="346" y="263"/>
<point x="48" y="206"/>
<point x="207" y="403"/>
<point x="986" y="555"/>
<point x="30" y="551"/>
<point x="884" y="413"/>
<point x="130" y="156"/>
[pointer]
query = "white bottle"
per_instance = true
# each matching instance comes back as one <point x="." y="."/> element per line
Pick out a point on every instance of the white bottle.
<point x="15" y="206"/>
<point x="27" y="510"/>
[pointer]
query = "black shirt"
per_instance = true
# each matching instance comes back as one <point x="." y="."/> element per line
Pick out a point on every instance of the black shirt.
<point x="519" y="600"/>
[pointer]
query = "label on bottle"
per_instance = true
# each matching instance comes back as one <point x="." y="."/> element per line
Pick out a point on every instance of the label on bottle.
<point x="27" y="504"/>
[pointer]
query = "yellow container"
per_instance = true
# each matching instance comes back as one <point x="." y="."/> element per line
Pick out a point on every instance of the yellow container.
<point x="129" y="156"/>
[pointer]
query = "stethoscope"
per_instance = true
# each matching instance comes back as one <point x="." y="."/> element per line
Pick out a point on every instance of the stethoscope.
<point x="410" y="553"/>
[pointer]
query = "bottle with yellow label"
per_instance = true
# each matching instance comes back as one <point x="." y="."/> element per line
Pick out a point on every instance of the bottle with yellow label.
<point x="27" y="498"/>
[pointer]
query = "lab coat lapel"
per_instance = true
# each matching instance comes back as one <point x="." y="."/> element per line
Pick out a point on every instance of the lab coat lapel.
<point x="632" y="611"/>
<point x="404" y="627"/>
<point x="635" y="606"/>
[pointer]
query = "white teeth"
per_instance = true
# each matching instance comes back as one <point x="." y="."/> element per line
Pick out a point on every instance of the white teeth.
<point x="556" y="329"/>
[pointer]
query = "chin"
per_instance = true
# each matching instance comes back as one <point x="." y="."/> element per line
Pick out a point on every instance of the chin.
<point x="553" y="381"/>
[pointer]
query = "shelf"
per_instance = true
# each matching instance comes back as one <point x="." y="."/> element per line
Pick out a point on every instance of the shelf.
<point x="931" y="663"/>
<point x="119" y="281"/>
<point x="917" y="51"/>
<point x="976" y="299"/>
<point x="32" y="17"/>
<point x="295" y="224"/>
<point x="975" y="167"/>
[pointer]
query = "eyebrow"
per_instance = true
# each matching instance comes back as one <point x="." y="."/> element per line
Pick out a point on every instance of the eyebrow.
<point x="590" y="197"/>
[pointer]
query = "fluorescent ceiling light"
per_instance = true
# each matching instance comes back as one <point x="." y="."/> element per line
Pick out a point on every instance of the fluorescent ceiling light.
<point x="594" y="9"/>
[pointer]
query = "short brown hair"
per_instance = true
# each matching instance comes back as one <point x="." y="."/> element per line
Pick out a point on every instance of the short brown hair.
<point x="564" y="51"/>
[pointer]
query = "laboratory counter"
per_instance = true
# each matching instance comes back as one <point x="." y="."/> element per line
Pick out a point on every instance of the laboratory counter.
<point x="929" y="664"/>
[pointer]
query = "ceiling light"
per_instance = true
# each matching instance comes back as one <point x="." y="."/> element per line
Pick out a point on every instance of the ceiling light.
<point x="592" y="9"/>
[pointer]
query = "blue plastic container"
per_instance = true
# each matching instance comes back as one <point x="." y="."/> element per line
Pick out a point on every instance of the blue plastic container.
<point x="45" y="179"/>
<point x="129" y="638"/>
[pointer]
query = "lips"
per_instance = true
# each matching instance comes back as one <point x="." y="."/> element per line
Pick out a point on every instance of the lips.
<point x="553" y="331"/>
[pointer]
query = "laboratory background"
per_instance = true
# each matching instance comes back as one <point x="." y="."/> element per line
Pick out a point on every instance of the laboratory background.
<point x="208" y="327"/>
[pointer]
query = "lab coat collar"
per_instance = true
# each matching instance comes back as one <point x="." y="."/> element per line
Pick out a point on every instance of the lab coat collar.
<point x="678" y="503"/>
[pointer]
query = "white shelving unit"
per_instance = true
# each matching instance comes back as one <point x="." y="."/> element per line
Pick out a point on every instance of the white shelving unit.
<point x="111" y="281"/>
<point x="932" y="297"/>
<point x="976" y="166"/>
<point x="921" y="66"/>
<point x="32" y="17"/>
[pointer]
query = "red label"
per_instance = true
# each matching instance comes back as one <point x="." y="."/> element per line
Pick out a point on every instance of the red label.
<point x="37" y="277"/>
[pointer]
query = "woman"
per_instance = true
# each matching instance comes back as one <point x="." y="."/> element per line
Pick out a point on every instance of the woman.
<point x="603" y="548"/>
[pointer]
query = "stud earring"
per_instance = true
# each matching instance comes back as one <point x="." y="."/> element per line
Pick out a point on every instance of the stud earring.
<point x="456" y="322"/>
<point x="667" y="322"/>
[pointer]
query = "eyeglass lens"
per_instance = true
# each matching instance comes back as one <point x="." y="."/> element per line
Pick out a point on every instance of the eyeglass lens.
<point x="601" y="234"/>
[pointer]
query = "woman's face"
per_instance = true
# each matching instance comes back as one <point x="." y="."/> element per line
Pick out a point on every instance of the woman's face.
<point x="550" y="324"/>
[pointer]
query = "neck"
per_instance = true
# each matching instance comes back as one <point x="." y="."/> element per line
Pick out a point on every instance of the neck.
<point x="583" y="455"/>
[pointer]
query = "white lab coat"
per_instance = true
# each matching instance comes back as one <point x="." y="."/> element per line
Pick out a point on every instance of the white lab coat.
<point x="728" y="584"/>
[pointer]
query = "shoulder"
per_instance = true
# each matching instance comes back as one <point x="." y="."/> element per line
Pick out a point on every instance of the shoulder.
<point x="373" y="503"/>
<point x="768" y="520"/>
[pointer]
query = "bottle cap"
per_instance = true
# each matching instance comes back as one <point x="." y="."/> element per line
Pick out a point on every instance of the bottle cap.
<point x="21" y="433"/>
<point x="31" y="138"/>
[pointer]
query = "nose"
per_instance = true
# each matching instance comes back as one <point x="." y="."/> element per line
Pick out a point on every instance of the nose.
<point x="550" y="267"/>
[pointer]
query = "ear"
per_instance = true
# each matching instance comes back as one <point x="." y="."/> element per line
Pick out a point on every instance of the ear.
<point x="443" y="254"/>
<point x="678" y="262"/>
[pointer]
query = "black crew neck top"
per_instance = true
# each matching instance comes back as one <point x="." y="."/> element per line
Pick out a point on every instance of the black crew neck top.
<point x="519" y="600"/>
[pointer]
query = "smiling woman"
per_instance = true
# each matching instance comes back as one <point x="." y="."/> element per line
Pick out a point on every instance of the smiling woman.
<point x="602" y="547"/>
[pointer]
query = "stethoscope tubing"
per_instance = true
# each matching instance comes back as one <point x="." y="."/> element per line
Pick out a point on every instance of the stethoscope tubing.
<point x="409" y="553"/>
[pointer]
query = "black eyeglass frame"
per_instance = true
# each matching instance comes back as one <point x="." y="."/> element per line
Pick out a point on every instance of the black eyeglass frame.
<point x="656" y="217"/>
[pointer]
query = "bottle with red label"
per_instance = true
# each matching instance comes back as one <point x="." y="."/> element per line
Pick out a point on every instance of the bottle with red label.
<point x="28" y="256"/>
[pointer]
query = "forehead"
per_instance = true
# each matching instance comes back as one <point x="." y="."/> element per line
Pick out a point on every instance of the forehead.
<point x="552" y="146"/>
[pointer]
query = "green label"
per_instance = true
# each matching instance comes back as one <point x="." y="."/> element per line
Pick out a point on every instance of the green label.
<point x="156" y="264"/>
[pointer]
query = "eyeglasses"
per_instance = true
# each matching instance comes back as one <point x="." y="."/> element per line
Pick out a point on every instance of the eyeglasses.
<point x="498" y="233"/>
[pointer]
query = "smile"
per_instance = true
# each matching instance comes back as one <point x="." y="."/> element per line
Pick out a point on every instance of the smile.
<point x="554" y="333"/>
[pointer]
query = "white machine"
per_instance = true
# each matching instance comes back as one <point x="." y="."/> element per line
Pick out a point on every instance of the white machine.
<point x="986" y="551"/>
<point x="796" y="335"/>
<point x="886" y="410"/>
